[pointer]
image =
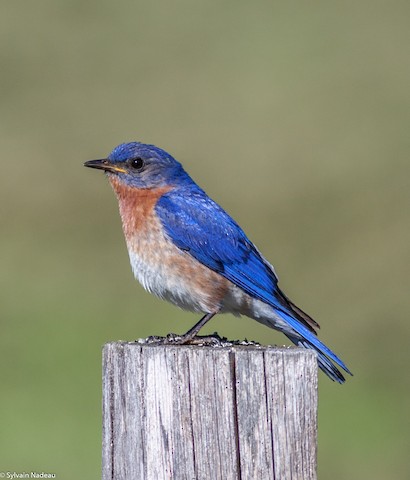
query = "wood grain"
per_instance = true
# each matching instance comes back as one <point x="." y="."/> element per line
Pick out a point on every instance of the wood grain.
<point x="199" y="412"/>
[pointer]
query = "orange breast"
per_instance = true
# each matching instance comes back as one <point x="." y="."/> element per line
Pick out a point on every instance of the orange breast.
<point x="136" y="205"/>
<point x="160" y="266"/>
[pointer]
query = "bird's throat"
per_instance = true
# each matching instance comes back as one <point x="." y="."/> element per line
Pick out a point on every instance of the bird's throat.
<point x="136" y="206"/>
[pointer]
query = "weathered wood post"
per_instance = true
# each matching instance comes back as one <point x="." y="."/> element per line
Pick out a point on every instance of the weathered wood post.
<point x="201" y="412"/>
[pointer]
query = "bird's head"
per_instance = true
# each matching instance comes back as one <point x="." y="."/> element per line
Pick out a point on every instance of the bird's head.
<point x="141" y="166"/>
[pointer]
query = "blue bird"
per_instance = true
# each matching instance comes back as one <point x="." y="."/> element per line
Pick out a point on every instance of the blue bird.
<point x="186" y="249"/>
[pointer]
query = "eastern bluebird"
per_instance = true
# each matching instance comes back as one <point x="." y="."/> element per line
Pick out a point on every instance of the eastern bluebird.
<point x="186" y="249"/>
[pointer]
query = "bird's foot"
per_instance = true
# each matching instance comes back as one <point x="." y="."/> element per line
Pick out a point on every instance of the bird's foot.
<point x="207" y="340"/>
<point x="213" y="340"/>
<point x="175" y="339"/>
<point x="157" y="340"/>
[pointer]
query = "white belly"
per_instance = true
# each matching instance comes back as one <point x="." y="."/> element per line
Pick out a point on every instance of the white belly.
<point x="159" y="280"/>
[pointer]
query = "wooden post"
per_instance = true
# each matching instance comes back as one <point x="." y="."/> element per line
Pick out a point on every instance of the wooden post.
<point x="201" y="412"/>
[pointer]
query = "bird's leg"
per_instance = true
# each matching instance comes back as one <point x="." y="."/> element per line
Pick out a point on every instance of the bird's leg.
<point x="190" y="336"/>
<point x="191" y="333"/>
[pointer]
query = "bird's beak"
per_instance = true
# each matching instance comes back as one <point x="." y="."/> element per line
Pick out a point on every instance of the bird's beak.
<point x="104" y="164"/>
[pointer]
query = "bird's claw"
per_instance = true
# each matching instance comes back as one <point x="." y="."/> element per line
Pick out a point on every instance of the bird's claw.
<point x="175" y="339"/>
<point x="213" y="340"/>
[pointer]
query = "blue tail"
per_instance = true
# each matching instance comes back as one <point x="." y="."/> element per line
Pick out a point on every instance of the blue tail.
<point x="307" y="339"/>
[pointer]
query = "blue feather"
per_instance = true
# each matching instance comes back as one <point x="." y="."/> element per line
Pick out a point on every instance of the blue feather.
<point x="196" y="224"/>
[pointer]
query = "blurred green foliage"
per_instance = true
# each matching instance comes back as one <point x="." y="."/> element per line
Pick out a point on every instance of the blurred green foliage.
<point x="293" y="115"/>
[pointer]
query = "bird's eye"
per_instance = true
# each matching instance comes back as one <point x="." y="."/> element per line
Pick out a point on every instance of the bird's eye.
<point x="137" y="163"/>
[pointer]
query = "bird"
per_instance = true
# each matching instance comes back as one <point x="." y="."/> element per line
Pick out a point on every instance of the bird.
<point x="184" y="248"/>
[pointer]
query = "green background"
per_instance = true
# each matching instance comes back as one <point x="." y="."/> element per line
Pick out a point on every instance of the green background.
<point x="292" y="115"/>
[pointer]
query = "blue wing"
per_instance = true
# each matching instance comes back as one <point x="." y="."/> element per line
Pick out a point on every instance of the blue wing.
<point x="198" y="225"/>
